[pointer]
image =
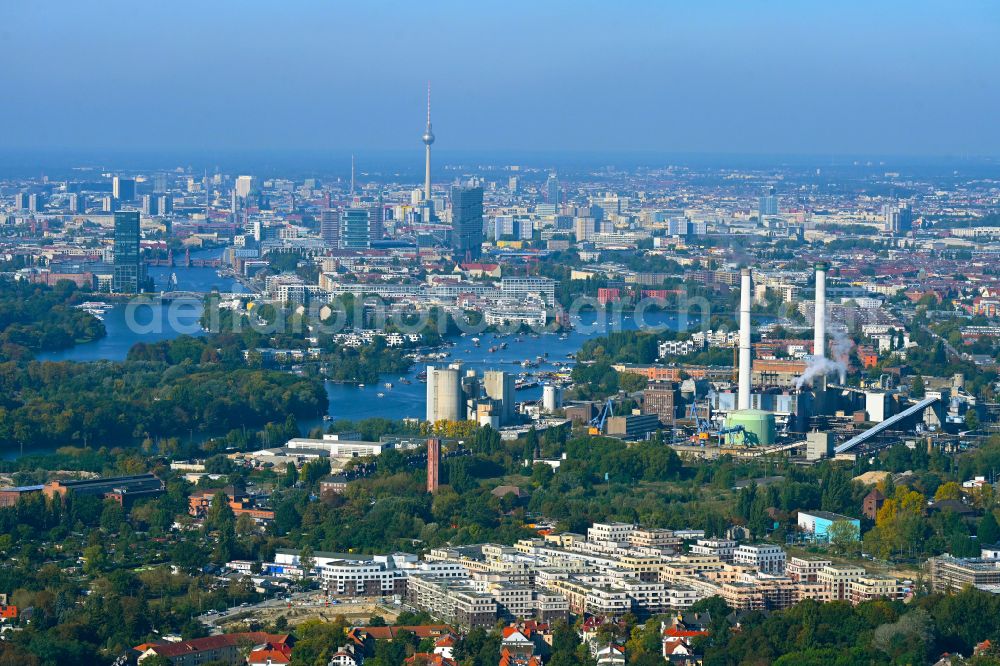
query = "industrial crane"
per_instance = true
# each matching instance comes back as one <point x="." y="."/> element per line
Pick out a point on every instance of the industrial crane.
<point x="597" y="423"/>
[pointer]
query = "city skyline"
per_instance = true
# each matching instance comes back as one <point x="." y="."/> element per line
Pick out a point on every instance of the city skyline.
<point x="724" y="79"/>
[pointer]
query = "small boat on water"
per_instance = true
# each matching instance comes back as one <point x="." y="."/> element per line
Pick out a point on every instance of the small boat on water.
<point x="388" y="385"/>
<point x="95" y="308"/>
<point x="406" y="381"/>
<point x="380" y="394"/>
<point x="503" y="345"/>
<point x="361" y="385"/>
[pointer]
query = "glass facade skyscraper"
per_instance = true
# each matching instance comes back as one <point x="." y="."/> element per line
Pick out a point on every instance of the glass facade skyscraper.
<point x="129" y="270"/>
<point x="467" y="220"/>
<point x="355" y="229"/>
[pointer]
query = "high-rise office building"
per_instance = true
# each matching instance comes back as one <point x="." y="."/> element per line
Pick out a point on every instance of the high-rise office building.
<point x="377" y="219"/>
<point x="77" y="203"/>
<point x="610" y="207"/>
<point x="897" y="218"/>
<point x="355" y="229"/>
<point x="21" y="200"/>
<point x="504" y="226"/>
<point x="329" y="227"/>
<point x="165" y="204"/>
<point x="499" y="386"/>
<point x="129" y="270"/>
<point x="123" y="189"/>
<point x="552" y="190"/>
<point x="584" y="228"/>
<point x="244" y="186"/>
<point x="513" y="184"/>
<point x="109" y="204"/>
<point x="467" y="220"/>
<point x="36" y="202"/>
<point x="159" y="183"/>
<point x="767" y="204"/>
<point x="150" y="205"/>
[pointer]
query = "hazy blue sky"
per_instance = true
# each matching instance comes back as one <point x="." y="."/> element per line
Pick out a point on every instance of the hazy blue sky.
<point x="796" y="76"/>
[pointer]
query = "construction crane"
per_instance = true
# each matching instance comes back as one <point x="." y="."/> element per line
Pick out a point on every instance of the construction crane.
<point x="597" y="423"/>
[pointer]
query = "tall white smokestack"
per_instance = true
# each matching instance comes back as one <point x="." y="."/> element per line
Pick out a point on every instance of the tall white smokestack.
<point x="819" y="334"/>
<point x="746" y="294"/>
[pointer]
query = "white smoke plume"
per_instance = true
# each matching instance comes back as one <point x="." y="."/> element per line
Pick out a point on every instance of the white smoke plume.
<point x="841" y="349"/>
<point x="820" y="366"/>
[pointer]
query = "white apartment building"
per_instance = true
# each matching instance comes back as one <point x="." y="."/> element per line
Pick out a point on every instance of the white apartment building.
<point x="520" y="287"/>
<point x="614" y="532"/>
<point x="765" y="558"/>
<point x="837" y="581"/>
<point x="452" y="601"/>
<point x="806" y="571"/>
<point x="658" y="539"/>
<point x="721" y="548"/>
<point x="361" y="579"/>
<point x="678" y="348"/>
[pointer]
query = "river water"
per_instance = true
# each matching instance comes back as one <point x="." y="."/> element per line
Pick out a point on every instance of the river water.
<point x="158" y="322"/>
<point x="154" y="321"/>
<point x="349" y="401"/>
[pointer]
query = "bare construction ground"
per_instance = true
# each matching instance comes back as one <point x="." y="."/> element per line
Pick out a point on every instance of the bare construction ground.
<point x="355" y="613"/>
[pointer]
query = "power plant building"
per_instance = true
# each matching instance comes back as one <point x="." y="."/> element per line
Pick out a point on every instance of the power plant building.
<point x="747" y="426"/>
<point x="444" y="394"/>
<point x="499" y="386"/>
<point x="551" y="398"/>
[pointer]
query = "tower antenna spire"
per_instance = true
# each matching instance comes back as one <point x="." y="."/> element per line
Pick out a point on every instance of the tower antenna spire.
<point x="428" y="139"/>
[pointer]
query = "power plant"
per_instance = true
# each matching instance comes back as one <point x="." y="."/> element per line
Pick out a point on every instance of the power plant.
<point x="777" y="398"/>
<point x="454" y="396"/>
<point x="444" y="394"/>
<point x="746" y="297"/>
<point x="746" y="425"/>
<point x="790" y="405"/>
<point x="819" y="326"/>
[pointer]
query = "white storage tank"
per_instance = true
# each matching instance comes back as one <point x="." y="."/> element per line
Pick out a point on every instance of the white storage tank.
<point x="551" y="398"/>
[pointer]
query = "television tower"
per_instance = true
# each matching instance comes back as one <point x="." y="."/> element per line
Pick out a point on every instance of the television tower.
<point x="428" y="139"/>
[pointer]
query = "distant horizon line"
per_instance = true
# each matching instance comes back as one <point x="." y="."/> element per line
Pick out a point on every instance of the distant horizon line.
<point x="409" y="162"/>
<point x="533" y="152"/>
